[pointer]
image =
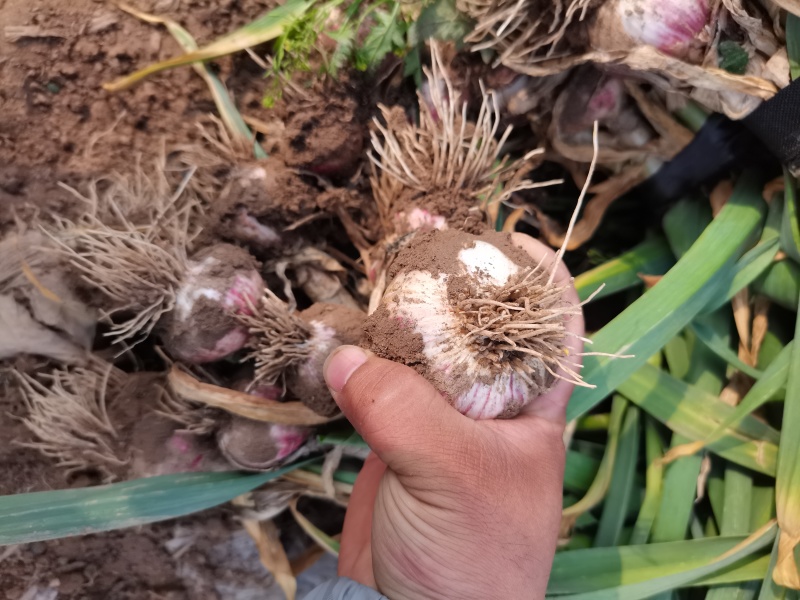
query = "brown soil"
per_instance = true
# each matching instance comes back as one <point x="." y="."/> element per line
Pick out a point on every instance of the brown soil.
<point x="437" y="251"/>
<point x="267" y="191"/>
<point x="59" y="126"/>
<point x="325" y="129"/>
<point x="206" y="557"/>
<point x="348" y="322"/>
<point x="271" y="208"/>
<point x="458" y="209"/>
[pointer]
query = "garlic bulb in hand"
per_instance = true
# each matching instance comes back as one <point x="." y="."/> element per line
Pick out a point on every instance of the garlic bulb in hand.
<point x="480" y="319"/>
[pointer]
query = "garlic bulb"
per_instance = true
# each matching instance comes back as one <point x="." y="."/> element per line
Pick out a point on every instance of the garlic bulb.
<point x="159" y="446"/>
<point x="675" y="28"/>
<point x="220" y="282"/>
<point x="477" y="318"/>
<point x="255" y="445"/>
<point x="292" y="347"/>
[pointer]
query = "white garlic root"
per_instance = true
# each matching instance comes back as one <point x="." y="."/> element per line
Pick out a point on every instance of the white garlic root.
<point x="520" y="31"/>
<point x="132" y="245"/>
<point x="445" y="155"/>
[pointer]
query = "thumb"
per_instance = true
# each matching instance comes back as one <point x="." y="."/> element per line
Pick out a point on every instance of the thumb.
<point x="402" y="417"/>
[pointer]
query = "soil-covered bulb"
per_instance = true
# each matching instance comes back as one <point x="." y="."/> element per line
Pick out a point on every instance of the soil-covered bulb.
<point x="221" y="282"/>
<point x="476" y="317"/>
<point x="255" y="445"/>
<point x="331" y="325"/>
<point x="291" y="347"/>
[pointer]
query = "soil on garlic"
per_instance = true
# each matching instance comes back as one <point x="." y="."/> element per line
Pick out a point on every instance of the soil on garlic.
<point x="308" y="384"/>
<point x="260" y="200"/>
<point x="438" y="209"/>
<point x="290" y="349"/>
<point x="473" y="361"/>
<point x="201" y="321"/>
<point x="270" y="208"/>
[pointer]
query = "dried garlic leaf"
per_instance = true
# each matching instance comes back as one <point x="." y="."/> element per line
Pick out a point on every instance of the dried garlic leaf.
<point x="647" y="58"/>
<point x="22" y="334"/>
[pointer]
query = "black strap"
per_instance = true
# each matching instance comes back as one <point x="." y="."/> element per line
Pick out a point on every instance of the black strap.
<point x="768" y="135"/>
<point x="776" y="122"/>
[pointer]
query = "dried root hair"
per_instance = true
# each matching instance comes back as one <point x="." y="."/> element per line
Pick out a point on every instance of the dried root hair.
<point x="279" y="339"/>
<point x="131" y="245"/>
<point x="521" y="32"/>
<point x="526" y="317"/>
<point x="521" y="319"/>
<point x="446" y="151"/>
<point x="67" y="413"/>
<point x="192" y="417"/>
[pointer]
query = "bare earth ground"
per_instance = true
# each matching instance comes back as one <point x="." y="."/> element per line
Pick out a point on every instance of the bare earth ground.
<point x="58" y="125"/>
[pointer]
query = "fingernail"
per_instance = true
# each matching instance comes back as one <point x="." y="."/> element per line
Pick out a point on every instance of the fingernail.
<point x="341" y="364"/>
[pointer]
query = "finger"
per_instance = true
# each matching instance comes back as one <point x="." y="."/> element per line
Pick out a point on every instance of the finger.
<point x="553" y="404"/>
<point x="399" y="414"/>
<point x="355" y="555"/>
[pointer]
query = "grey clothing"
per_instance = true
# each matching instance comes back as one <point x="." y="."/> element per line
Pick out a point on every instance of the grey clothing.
<point x="343" y="588"/>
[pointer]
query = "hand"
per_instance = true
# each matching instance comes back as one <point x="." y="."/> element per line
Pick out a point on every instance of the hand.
<point x="448" y="507"/>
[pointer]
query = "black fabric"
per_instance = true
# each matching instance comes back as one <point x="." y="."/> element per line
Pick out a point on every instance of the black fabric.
<point x="720" y="147"/>
<point x="767" y="136"/>
<point x="776" y="122"/>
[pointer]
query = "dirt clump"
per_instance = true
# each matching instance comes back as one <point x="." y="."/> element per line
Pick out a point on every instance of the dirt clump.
<point x="325" y="127"/>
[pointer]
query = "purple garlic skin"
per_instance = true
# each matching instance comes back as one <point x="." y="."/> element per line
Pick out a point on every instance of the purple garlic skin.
<point x="221" y="282"/>
<point x="160" y="448"/>
<point x="247" y="228"/>
<point x="419" y="219"/>
<point x="669" y="26"/>
<point x="675" y="28"/>
<point x="257" y="446"/>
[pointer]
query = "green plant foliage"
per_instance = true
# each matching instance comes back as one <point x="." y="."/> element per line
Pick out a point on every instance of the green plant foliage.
<point x="440" y="20"/>
<point x="732" y="57"/>
<point x="48" y="515"/>
<point x="702" y="273"/>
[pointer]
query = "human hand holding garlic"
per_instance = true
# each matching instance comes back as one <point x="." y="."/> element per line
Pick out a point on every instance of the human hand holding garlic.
<point x="446" y="506"/>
